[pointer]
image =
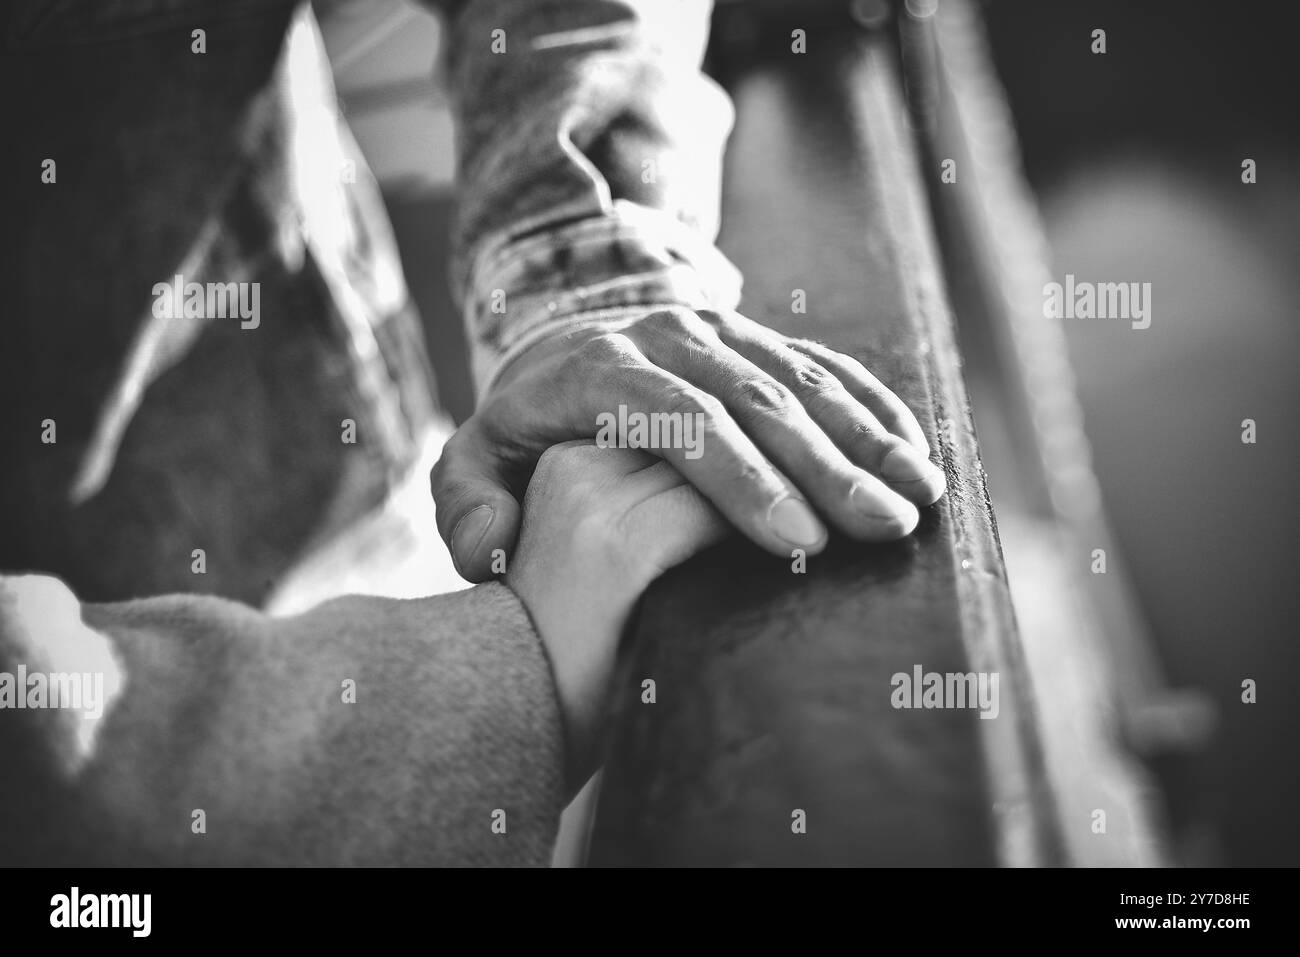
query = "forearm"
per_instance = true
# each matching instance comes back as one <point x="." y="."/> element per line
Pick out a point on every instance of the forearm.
<point x="365" y="731"/>
<point x="589" y="151"/>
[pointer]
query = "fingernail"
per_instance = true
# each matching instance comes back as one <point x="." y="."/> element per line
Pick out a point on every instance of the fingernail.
<point x="904" y="464"/>
<point x="795" y="522"/>
<point x="892" y="515"/>
<point x="468" y="535"/>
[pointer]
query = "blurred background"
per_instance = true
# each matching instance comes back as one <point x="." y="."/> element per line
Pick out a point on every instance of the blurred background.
<point x="1134" y="158"/>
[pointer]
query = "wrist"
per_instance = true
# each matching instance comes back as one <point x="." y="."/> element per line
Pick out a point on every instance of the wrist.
<point x="580" y="630"/>
<point x="590" y="271"/>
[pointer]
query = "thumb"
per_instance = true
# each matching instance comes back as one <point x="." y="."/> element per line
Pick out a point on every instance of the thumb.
<point x="477" y="512"/>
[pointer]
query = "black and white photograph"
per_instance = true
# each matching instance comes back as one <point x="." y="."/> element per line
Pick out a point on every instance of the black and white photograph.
<point x="650" y="434"/>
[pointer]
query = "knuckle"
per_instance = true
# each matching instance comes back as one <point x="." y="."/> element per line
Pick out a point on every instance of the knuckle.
<point x="695" y="401"/>
<point x="680" y="325"/>
<point x="603" y="349"/>
<point x="842" y="361"/>
<point x="673" y="320"/>
<point x="563" y="457"/>
<point x="747" y="473"/>
<point x="813" y="349"/>
<point x="564" y="474"/>
<point x="718" y="321"/>
<point x="865" y="431"/>
<point x="765" y="396"/>
<point x="814" y="381"/>
<point x="548" y="465"/>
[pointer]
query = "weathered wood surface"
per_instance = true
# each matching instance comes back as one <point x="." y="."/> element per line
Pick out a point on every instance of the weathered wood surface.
<point x="773" y="688"/>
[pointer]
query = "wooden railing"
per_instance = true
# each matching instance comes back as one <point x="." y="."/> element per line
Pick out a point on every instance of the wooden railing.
<point x="772" y="738"/>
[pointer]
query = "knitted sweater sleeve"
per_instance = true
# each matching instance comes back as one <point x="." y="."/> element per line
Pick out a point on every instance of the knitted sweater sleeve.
<point x="193" y="730"/>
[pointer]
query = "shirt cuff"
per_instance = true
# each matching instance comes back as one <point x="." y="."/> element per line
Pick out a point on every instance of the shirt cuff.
<point x="590" y="271"/>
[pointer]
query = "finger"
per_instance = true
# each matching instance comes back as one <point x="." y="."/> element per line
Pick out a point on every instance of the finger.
<point x="892" y="412"/>
<point x="856" y="502"/>
<point x="583" y="459"/>
<point x="680" y="522"/>
<point x="853" y="428"/>
<point x="648" y="482"/>
<point x="477" y="511"/>
<point x="706" y="444"/>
